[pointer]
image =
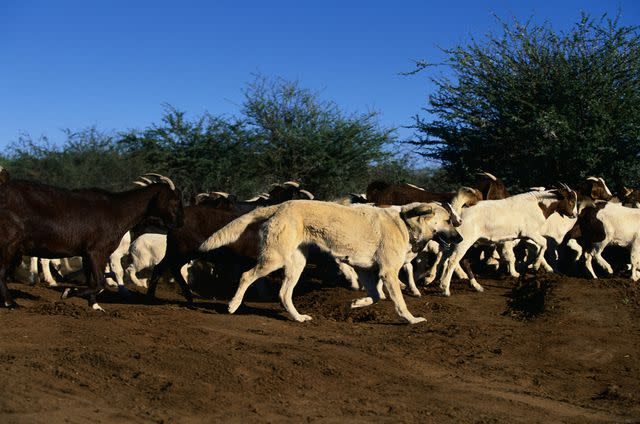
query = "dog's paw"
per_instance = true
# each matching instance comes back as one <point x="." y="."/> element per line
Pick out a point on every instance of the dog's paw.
<point x="416" y="320"/>
<point x="303" y="318"/>
<point x="234" y="305"/>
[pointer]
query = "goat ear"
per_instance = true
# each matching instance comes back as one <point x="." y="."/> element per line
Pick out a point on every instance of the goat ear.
<point x="413" y="210"/>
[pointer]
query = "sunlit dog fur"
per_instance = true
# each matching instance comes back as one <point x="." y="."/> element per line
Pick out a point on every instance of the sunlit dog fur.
<point x="375" y="241"/>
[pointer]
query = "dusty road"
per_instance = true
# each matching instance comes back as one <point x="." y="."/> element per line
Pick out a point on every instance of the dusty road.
<point x="474" y="361"/>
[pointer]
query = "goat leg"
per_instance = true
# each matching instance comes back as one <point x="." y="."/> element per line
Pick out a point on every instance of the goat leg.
<point x="158" y="271"/>
<point x="4" y="290"/>
<point x="186" y="290"/>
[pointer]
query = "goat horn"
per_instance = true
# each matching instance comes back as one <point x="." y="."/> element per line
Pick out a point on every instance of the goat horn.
<point x="168" y="181"/>
<point x="486" y="174"/>
<point x="308" y="194"/>
<point x="164" y="179"/>
<point x="200" y="197"/>
<point x="221" y="193"/>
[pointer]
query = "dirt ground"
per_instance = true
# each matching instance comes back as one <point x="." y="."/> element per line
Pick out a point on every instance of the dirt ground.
<point x="480" y="357"/>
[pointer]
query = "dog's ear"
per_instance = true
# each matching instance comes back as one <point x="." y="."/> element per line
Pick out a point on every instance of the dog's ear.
<point x="413" y="210"/>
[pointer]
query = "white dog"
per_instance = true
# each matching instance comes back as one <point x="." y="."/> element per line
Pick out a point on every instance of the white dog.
<point x="375" y="241"/>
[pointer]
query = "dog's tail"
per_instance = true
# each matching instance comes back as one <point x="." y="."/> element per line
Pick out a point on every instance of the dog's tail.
<point x="233" y="230"/>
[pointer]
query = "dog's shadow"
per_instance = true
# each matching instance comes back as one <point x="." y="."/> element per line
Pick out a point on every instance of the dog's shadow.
<point x="222" y="307"/>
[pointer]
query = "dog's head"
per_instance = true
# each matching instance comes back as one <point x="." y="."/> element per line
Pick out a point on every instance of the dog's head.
<point x="428" y="221"/>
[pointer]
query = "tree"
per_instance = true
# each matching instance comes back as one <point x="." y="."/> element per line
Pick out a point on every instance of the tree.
<point x="286" y="133"/>
<point x="205" y="154"/>
<point x="536" y="106"/>
<point x="87" y="158"/>
<point x="304" y="138"/>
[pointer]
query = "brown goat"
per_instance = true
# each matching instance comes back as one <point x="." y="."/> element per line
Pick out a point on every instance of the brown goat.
<point x="50" y="222"/>
<point x="383" y="193"/>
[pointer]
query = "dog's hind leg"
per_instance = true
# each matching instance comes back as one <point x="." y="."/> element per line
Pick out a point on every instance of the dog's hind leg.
<point x="392" y="283"/>
<point x="374" y="289"/>
<point x="292" y="270"/>
<point x="264" y="267"/>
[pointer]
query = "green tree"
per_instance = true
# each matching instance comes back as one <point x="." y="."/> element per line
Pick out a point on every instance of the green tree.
<point x="536" y="106"/>
<point x="204" y="154"/>
<point x="304" y="138"/>
<point x="87" y="158"/>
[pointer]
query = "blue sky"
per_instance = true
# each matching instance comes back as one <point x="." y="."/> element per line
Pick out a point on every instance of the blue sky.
<point x="113" y="64"/>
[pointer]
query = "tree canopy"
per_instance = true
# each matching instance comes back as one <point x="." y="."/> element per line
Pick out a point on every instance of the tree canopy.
<point x="536" y="106"/>
<point x="285" y="132"/>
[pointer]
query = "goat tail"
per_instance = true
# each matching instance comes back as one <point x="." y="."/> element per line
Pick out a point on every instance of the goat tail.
<point x="233" y="230"/>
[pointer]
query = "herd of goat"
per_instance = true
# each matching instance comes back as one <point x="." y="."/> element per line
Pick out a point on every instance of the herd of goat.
<point x="371" y="237"/>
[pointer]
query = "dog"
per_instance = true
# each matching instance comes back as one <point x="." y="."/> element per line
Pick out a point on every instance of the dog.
<point x="375" y="241"/>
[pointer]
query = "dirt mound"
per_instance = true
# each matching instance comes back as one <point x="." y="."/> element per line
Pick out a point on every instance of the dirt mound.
<point x="531" y="297"/>
<point x="71" y="310"/>
<point x="60" y="308"/>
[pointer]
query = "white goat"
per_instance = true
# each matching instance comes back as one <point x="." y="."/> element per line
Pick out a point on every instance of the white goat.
<point x="115" y="263"/>
<point x="617" y="225"/>
<point x="520" y="216"/>
<point x="146" y="252"/>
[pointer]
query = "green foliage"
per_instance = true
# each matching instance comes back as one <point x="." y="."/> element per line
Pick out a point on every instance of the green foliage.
<point x="286" y="133"/>
<point x="303" y="138"/>
<point x="535" y="106"/>
<point x="88" y="158"/>
<point x="206" y="154"/>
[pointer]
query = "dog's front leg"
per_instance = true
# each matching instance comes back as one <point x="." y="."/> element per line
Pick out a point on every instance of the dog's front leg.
<point x="392" y="283"/>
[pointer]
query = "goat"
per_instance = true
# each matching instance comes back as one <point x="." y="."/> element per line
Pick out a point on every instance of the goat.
<point x="609" y="223"/>
<point x="631" y="197"/>
<point x="62" y="266"/>
<point x="522" y="215"/>
<point x="204" y="219"/>
<point x="556" y="227"/>
<point x="146" y="252"/>
<point x="115" y="263"/>
<point x="51" y="222"/>
<point x="383" y="193"/>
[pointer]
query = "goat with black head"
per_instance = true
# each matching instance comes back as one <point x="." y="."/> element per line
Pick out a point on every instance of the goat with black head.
<point x="52" y="222"/>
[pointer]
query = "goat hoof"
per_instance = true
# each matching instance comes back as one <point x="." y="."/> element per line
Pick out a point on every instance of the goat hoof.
<point x="11" y="305"/>
<point x="97" y="307"/>
<point x="68" y="292"/>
